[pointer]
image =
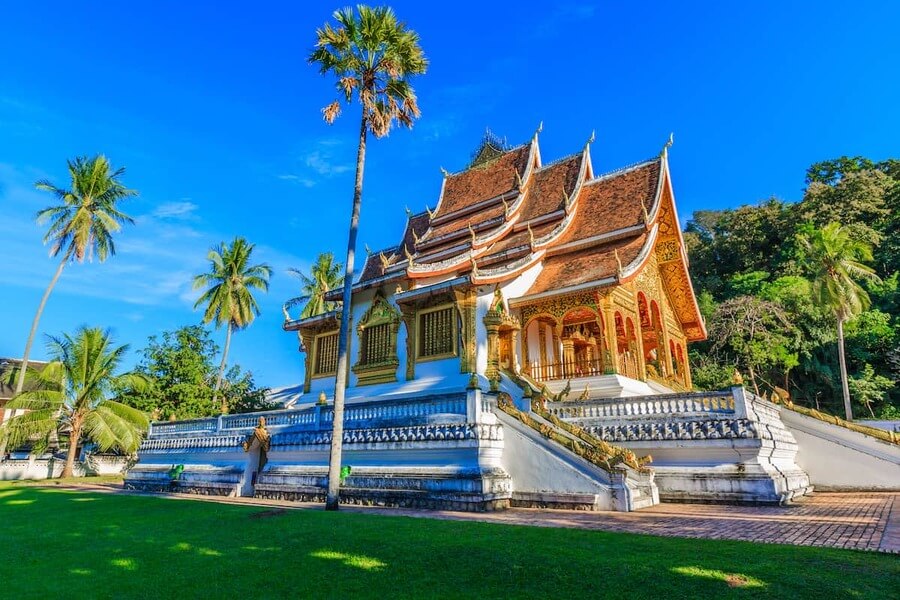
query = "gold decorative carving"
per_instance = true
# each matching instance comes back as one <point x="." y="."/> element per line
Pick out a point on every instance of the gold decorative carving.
<point x="377" y="360"/>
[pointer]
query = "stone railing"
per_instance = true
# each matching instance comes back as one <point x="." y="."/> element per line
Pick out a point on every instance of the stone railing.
<point x="316" y="418"/>
<point x="695" y="403"/>
<point x="178" y="427"/>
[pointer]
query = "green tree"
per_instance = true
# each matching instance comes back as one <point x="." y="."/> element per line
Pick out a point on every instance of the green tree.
<point x="325" y="275"/>
<point x="228" y="295"/>
<point x="373" y="56"/>
<point x="72" y="395"/>
<point x="869" y="388"/>
<point x="834" y="260"/>
<point x="180" y="369"/>
<point x="81" y="225"/>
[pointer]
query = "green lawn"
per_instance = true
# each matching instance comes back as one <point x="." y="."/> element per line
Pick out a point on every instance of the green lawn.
<point x="90" y="545"/>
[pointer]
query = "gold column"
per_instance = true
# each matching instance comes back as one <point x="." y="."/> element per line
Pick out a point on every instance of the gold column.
<point x="609" y="315"/>
<point x="465" y="304"/>
<point x="492" y="322"/>
<point x="408" y="315"/>
<point x="306" y="345"/>
<point x="514" y="345"/>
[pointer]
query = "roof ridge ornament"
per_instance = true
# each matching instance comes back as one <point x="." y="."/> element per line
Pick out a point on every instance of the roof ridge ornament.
<point x="646" y="214"/>
<point x="505" y="206"/>
<point x="409" y="255"/>
<point x="445" y="172"/>
<point x="430" y="213"/>
<point x="474" y="266"/>
<point x="518" y="179"/>
<point x="530" y="236"/>
<point x="368" y="250"/>
<point x="416" y="237"/>
<point x="591" y="139"/>
<point x="385" y="261"/>
<point x="539" y="129"/>
<point x="408" y="212"/>
<point x="619" y="269"/>
<point x="668" y="144"/>
<point x="472" y="232"/>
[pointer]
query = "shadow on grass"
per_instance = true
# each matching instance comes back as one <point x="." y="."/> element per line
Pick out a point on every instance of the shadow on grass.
<point x="139" y="546"/>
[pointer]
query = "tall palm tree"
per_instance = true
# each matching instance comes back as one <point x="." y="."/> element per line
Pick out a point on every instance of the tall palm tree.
<point x="324" y="275"/>
<point x="373" y="56"/>
<point x="228" y="296"/>
<point x="81" y="225"/>
<point x="71" y="394"/>
<point x="834" y="260"/>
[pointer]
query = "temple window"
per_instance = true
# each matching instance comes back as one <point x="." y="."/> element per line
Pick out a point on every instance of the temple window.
<point x="377" y="330"/>
<point x="437" y="333"/>
<point x="326" y="353"/>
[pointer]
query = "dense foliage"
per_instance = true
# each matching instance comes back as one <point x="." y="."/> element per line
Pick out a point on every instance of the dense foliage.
<point x="760" y="299"/>
<point x="180" y="368"/>
<point x="71" y="395"/>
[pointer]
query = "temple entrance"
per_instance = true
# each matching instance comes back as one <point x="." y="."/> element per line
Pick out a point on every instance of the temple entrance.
<point x="567" y="348"/>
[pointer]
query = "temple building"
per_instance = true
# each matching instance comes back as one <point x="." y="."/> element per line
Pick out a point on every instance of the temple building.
<point x="574" y="280"/>
<point x="523" y="344"/>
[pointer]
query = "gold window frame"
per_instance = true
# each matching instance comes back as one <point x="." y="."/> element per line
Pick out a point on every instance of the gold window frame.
<point x="315" y="355"/>
<point x="420" y="332"/>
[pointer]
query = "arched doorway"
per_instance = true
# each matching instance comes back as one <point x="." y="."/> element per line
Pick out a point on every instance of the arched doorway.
<point x="582" y="343"/>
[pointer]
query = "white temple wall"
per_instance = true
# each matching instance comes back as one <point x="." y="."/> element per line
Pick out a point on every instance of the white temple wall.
<point x="483" y="304"/>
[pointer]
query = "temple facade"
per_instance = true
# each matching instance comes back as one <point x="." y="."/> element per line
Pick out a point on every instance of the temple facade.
<point x="549" y="272"/>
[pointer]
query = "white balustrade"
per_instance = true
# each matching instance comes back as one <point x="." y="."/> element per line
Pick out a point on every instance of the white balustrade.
<point x="694" y="403"/>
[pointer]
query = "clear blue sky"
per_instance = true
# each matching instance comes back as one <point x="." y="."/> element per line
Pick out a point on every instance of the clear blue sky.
<point x="215" y="113"/>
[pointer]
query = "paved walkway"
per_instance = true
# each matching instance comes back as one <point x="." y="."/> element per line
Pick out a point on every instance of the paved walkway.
<point x="862" y="521"/>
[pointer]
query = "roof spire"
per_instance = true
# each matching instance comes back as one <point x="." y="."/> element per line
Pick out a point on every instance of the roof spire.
<point x="408" y="212"/>
<point x="368" y="250"/>
<point x="445" y="172"/>
<point x="591" y="139"/>
<point x="668" y="145"/>
<point x="539" y="129"/>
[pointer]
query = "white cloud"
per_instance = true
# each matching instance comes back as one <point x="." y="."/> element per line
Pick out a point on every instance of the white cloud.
<point x="323" y="163"/>
<point x="304" y="181"/>
<point x="183" y="209"/>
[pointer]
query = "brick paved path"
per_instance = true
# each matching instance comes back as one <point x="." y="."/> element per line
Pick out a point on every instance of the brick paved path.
<point x="863" y="521"/>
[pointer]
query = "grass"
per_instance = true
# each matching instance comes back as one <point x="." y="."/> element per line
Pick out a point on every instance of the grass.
<point x="87" y="544"/>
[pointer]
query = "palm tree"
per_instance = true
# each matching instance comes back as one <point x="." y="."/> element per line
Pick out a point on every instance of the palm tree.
<point x="81" y="225"/>
<point x="228" y="296"/>
<point x="834" y="260"/>
<point x="325" y="275"/>
<point x="373" y="56"/>
<point x="71" y="394"/>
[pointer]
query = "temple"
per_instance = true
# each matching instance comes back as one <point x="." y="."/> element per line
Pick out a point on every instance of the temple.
<point x="544" y="271"/>
<point x="524" y="343"/>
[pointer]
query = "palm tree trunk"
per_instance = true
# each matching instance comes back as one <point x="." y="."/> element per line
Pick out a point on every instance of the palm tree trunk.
<point x="843" y="361"/>
<point x="222" y="369"/>
<point x="332" y="499"/>
<point x="74" y="436"/>
<point x="20" y="381"/>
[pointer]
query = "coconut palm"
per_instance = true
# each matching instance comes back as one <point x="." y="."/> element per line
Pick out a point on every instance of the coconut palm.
<point x="81" y="225"/>
<point x="228" y="295"/>
<point x="71" y="395"/>
<point x="372" y="56"/>
<point x="834" y="261"/>
<point x="324" y="275"/>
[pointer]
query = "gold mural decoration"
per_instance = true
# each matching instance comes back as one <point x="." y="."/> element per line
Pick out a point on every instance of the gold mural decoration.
<point x="668" y="250"/>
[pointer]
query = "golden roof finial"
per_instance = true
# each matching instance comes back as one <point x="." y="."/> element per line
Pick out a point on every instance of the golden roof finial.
<point x="646" y="214"/>
<point x="618" y="262"/>
<point x="415" y="236"/>
<point x="385" y="261"/>
<point x="518" y="179"/>
<point x="668" y="144"/>
<point x="591" y="139"/>
<point x="430" y="214"/>
<point x="539" y="129"/>
<point x="474" y="266"/>
<point x="505" y="205"/>
<point x="408" y="212"/>
<point x="472" y="233"/>
<point x="409" y="255"/>
<point x="530" y="236"/>
<point x="445" y="172"/>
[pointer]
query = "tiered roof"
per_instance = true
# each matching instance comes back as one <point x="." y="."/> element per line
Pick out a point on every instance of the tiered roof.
<point x="506" y="212"/>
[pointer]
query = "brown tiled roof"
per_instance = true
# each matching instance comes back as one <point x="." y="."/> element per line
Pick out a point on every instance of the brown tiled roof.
<point x="522" y="237"/>
<point x="417" y="223"/>
<point x="548" y="185"/>
<point x="373" y="268"/>
<point x="591" y="264"/>
<point x="464" y="221"/>
<point x="614" y="202"/>
<point x="484" y="181"/>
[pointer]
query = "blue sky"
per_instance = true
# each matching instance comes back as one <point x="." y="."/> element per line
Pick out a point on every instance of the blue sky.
<point x="215" y="113"/>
